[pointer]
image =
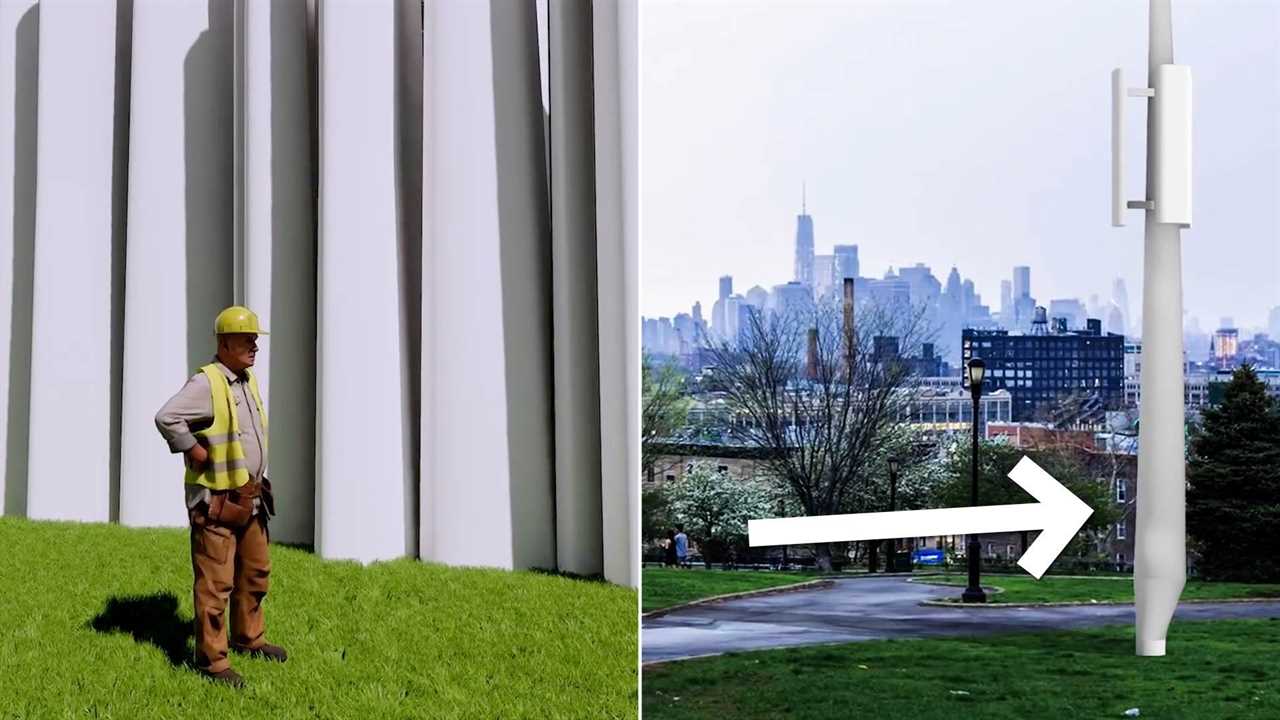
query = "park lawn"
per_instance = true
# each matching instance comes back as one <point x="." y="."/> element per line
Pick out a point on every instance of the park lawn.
<point x="665" y="587"/>
<point x="95" y="621"/>
<point x="1214" y="669"/>
<point x="1026" y="589"/>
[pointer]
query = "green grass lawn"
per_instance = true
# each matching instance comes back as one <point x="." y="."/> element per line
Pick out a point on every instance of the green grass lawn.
<point x="1026" y="589"/>
<point x="1218" y="669"/>
<point x="664" y="587"/>
<point x="95" y="621"/>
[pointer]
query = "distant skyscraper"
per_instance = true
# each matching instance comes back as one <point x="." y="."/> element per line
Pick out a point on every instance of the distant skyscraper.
<point x="1226" y="343"/>
<point x="1120" y="296"/>
<point x="1024" y="305"/>
<point x="1115" y="320"/>
<point x="1273" y="323"/>
<point x="954" y="288"/>
<point x="804" y="246"/>
<point x="846" y="261"/>
<point x="719" y="318"/>
<point x="1006" y="302"/>
<point x="824" y="274"/>
<point x="925" y="288"/>
<point x="1021" y="281"/>
<point x="1071" y="309"/>
<point x="757" y="297"/>
<point x="791" y="298"/>
<point x="732" y="314"/>
<point x="699" y="326"/>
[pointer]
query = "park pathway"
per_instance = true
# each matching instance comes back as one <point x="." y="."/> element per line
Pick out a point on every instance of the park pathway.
<point x="875" y="608"/>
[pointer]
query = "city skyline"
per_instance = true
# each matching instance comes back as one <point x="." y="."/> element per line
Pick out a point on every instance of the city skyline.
<point x="1019" y="283"/>
<point x="912" y="173"/>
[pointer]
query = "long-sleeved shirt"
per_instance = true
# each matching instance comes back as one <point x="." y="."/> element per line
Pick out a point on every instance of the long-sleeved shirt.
<point x="192" y="410"/>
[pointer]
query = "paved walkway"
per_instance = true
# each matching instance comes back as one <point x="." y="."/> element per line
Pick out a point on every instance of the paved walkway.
<point x="872" y="609"/>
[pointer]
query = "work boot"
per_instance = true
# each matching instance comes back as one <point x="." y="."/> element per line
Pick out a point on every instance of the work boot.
<point x="265" y="650"/>
<point x="228" y="677"/>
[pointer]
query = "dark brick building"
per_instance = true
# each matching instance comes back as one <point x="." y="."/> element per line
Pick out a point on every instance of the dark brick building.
<point x="1042" y="369"/>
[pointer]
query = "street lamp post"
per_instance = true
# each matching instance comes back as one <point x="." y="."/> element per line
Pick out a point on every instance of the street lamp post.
<point x="973" y="594"/>
<point x="892" y="563"/>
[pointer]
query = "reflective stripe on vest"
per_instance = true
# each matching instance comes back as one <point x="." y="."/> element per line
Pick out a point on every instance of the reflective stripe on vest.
<point x="226" y="467"/>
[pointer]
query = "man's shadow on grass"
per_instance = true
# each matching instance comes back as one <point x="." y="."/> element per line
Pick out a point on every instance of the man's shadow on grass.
<point x="150" y="619"/>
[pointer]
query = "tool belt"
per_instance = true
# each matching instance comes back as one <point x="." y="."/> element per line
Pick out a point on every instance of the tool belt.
<point x="234" y="508"/>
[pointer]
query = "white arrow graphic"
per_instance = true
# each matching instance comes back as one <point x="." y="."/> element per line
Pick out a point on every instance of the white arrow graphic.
<point x="1058" y="514"/>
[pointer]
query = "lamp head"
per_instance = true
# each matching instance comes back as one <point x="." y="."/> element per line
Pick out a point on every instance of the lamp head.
<point x="977" y="371"/>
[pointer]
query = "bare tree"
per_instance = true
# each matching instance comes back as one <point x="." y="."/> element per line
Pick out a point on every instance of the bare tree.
<point x="810" y="386"/>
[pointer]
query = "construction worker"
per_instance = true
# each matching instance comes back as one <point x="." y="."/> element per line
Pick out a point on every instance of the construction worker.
<point x="217" y="420"/>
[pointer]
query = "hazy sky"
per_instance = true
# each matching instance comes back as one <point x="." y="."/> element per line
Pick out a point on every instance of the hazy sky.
<point x="974" y="134"/>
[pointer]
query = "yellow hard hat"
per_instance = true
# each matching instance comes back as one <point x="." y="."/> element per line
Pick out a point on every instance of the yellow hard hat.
<point x="237" y="319"/>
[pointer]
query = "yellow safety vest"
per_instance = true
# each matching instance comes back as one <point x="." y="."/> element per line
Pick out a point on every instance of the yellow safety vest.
<point x="226" y="468"/>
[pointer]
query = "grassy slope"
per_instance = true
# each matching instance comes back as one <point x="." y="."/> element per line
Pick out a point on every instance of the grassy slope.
<point x="1223" y="669"/>
<point x="664" y="587"/>
<point x="1019" y="589"/>
<point x="396" y="639"/>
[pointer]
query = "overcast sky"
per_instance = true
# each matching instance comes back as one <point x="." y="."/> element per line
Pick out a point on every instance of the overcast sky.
<point x="974" y="134"/>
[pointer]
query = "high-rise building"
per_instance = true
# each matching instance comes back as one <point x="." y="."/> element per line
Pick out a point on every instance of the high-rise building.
<point x="1120" y="296"/>
<point x="804" y="247"/>
<point x="925" y="288"/>
<point x="1024" y="305"/>
<point x="699" y="337"/>
<point x="891" y="294"/>
<point x="757" y="297"/>
<point x="1021" y="281"/>
<point x="719" y="320"/>
<point x="686" y="333"/>
<point x="1273" y="323"/>
<point x="1115" y="320"/>
<point x="1226" y="343"/>
<point x="1006" y="302"/>
<point x="846" y="261"/>
<point x="1071" y="309"/>
<point x="791" y="299"/>
<point x="824" y="275"/>
<point x="732" y="314"/>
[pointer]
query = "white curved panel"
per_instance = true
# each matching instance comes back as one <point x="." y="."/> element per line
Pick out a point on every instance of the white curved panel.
<point x="278" y="240"/>
<point x="18" y="55"/>
<point x="488" y="458"/>
<point x="71" y="380"/>
<point x="617" y="218"/>
<point x="361" y="464"/>
<point x="178" y="273"/>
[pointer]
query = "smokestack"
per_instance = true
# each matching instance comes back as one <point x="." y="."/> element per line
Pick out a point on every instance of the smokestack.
<point x="850" y="343"/>
<point x="811" y="360"/>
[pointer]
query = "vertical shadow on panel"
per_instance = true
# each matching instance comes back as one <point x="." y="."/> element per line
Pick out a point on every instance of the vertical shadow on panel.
<point x="119" y="224"/>
<point x="408" y="114"/>
<point x="209" y="192"/>
<point x="24" y="244"/>
<point x="293" y="286"/>
<point x="524" y="229"/>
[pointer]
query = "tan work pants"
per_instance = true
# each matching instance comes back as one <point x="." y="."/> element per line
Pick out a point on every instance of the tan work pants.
<point x="228" y="563"/>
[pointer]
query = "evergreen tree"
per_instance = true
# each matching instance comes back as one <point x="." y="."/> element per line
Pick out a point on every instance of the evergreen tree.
<point x="1233" y="475"/>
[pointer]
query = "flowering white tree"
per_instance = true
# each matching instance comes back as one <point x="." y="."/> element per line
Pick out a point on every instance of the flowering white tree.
<point x="715" y="507"/>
